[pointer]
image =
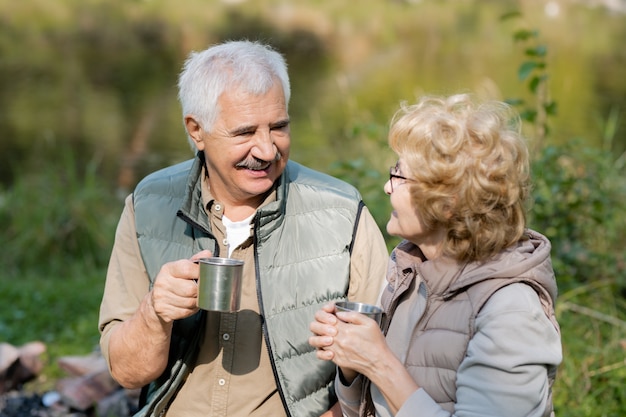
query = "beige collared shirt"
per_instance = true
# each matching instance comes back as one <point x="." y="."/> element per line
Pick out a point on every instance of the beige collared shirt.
<point x="233" y="374"/>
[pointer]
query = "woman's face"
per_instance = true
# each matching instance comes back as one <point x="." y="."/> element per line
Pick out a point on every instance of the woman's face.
<point x="404" y="220"/>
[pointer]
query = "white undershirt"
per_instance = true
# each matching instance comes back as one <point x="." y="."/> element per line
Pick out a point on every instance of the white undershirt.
<point x="236" y="232"/>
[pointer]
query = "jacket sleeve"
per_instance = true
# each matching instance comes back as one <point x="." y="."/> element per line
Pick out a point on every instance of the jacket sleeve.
<point x="349" y="396"/>
<point x="127" y="281"/>
<point x="505" y="372"/>
<point x="368" y="262"/>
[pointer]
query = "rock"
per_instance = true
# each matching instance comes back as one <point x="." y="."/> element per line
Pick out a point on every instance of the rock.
<point x="83" y="365"/>
<point x="114" y="405"/>
<point x="8" y="355"/>
<point x="19" y="365"/>
<point x="88" y="391"/>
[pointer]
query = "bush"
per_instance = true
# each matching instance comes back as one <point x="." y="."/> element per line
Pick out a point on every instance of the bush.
<point x="578" y="204"/>
<point x="57" y="213"/>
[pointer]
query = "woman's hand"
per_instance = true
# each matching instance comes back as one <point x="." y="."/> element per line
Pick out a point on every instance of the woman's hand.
<point x="356" y="345"/>
<point x="351" y="340"/>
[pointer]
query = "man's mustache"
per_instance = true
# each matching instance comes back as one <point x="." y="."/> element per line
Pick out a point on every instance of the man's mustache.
<point x="256" y="163"/>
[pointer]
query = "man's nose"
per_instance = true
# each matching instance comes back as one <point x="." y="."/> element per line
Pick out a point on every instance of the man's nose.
<point x="264" y="147"/>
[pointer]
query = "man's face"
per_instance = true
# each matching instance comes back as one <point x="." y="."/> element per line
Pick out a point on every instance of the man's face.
<point x="248" y="147"/>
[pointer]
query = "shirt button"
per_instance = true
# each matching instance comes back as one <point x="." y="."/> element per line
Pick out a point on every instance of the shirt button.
<point x="218" y="207"/>
<point x="222" y="382"/>
<point x="225" y="242"/>
<point x="226" y="336"/>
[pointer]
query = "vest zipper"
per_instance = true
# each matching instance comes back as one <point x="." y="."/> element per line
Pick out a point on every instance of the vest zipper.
<point x="257" y="277"/>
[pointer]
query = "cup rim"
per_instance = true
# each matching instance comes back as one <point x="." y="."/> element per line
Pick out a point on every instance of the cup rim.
<point x="353" y="306"/>
<point x="216" y="260"/>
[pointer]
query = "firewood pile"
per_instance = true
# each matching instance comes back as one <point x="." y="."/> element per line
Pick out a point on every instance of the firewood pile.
<point x="87" y="391"/>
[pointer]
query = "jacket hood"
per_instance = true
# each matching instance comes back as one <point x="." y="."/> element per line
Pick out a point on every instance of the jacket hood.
<point x="529" y="259"/>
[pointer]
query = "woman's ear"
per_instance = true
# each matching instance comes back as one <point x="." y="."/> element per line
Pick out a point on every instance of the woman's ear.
<point x="194" y="130"/>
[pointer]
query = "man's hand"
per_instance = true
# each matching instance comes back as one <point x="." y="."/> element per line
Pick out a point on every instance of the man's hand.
<point x="139" y="346"/>
<point x="175" y="290"/>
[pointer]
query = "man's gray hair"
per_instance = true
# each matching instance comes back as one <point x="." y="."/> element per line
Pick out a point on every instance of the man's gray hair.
<point x="248" y="66"/>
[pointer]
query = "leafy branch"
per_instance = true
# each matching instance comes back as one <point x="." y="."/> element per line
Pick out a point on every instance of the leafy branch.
<point x="533" y="71"/>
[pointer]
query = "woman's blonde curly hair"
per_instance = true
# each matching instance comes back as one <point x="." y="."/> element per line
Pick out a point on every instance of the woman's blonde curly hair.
<point x="471" y="169"/>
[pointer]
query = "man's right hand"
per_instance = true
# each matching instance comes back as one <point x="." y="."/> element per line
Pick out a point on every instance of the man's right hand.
<point x="175" y="292"/>
<point x="139" y="346"/>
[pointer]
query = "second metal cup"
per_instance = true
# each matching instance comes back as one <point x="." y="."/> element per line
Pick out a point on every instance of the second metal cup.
<point x="371" y="311"/>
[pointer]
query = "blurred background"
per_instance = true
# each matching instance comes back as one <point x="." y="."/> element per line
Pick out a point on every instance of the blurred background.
<point x="88" y="106"/>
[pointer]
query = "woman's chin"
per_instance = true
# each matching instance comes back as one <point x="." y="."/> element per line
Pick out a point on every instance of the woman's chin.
<point x="391" y="227"/>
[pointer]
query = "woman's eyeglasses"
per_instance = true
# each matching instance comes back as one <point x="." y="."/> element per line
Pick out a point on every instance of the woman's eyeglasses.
<point x="394" y="176"/>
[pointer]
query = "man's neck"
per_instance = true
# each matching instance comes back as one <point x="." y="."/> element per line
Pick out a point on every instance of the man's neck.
<point x="238" y="213"/>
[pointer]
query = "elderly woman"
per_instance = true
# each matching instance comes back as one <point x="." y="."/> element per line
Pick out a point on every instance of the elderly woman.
<point x="470" y="328"/>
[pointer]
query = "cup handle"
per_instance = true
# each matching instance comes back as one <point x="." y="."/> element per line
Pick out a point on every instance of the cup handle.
<point x="196" y="262"/>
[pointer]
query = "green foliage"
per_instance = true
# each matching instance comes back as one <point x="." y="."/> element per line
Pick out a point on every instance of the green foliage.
<point x="534" y="72"/>
<point x="578" y="204"/>
<point x="102" y="75"/>
<point x="369" y="182"/>
<point x="55" y="213"/>
<point x="578" y="190"/>
<point x="362" y="172"/>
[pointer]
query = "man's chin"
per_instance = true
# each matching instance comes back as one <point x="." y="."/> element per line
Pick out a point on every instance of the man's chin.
<point x="259" y="187"/>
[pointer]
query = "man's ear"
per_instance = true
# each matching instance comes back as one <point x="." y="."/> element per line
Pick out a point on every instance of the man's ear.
<point x="194" y="130"/>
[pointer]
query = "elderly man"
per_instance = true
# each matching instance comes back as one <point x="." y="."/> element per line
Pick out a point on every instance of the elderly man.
<point x="306" y="239"/>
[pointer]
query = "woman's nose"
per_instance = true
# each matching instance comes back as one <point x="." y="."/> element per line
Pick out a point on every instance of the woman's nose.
<point x="387" y="187"/>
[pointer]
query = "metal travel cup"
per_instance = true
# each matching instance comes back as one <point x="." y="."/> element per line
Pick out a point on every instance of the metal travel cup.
<point x="371" y="311"/>
<point x="219" y="286"/>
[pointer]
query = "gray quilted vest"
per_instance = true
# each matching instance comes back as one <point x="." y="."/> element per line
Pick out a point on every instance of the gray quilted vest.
<point x="302" y="244"/>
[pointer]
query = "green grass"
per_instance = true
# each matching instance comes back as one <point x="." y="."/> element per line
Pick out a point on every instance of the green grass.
<point x="59" y="309"/>
<point x="591" y="379"/>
